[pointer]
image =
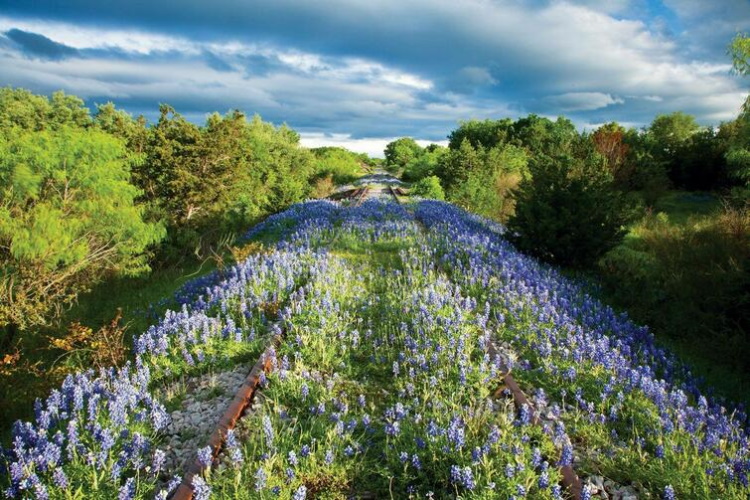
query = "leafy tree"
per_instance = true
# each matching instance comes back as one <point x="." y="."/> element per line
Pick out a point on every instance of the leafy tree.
<point x="459" y="163"/>
<point x="485" y="133"/>
<point x="426" y="164"/>
<point x="738" y="152"/>
<point x="568" y="212"/>
<point x="542" y="136"/>
<point x="739" y="49"/>
<point x="68" y="110"/>
<point x="68" y="218"/>
<point x="400" y="152"/>
<point x="670" y="137"/>
<point x="428" y="187"/>
<point x="482" y="180"/>
<point x="20" y="109"/>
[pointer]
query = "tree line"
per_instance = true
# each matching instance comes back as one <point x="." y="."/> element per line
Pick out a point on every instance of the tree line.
<point x="85" y="197"/>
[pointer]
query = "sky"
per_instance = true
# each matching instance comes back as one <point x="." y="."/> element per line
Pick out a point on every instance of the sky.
<point x="359" y="73"/>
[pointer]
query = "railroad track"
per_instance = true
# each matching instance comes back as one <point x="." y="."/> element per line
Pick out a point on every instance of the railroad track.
<point x="246" y="393"/>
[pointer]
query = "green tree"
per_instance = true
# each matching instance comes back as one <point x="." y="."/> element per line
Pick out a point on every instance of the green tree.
<point x="738" y="151"/>
<point x="20" y="109"/>
<point x="428" y="187"/>
<point x="426" y="164"/>
<point x="400" y="152"/>
<point x="739" y="49"/>
<point x="669" y="137"/>
<point x="68" y="218"/>
<point x="568" y="212"/>
<point x="486" y="133"/>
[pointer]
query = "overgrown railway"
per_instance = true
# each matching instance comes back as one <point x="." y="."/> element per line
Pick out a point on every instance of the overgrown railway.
<point x="266" y="363"/>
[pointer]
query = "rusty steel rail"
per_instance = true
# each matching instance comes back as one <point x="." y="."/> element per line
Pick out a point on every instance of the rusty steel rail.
<point x="395" y="193"/>
<point x="570" y="479"/>
<point x="242" y="399"/>
<point x="360" y="196"/>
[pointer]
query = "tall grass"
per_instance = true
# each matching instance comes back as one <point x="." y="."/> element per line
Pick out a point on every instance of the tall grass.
<point x="687" y="277"/>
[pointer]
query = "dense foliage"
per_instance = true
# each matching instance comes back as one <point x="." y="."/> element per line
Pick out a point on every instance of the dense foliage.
<point x="84" y="198"/>
<point x="428" y="187"/>
<point x="68" y="217"/>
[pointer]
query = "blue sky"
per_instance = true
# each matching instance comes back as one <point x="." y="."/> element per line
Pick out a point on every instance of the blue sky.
<point x="358" y="73"/>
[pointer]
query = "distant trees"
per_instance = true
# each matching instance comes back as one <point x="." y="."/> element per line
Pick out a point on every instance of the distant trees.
<point x="342" y="165"/>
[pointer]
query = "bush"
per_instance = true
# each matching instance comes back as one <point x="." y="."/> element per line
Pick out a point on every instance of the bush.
<point x="568" y="213"/>
<point x="429" y="187"/>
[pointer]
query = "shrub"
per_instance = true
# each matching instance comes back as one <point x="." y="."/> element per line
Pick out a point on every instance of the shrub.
<point x="568" y="213"/>
<point x="429" y="187"/>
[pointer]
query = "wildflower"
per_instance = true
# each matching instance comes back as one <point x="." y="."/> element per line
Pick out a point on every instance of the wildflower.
<point x="60" y="479"/>
<point x="201" y="489"/>
<point x="205" y="456"/>
<point x="566" y="457"/>
<point x="268" y="431"/>
<point x="260" y="479"/>
<point x="669" y="493"/>
<point x="300" y="493"/>
<point x="158" y="461"/>
<point x="127" y="491"/>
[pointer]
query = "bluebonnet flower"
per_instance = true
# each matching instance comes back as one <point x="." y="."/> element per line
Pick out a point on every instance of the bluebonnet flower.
<point x="586" y="492"/>
<point x="205" y="456"/>
<point x="669" y="493"/>
<point x="543" y="481"/>
<point x="268" y="431"/>
<point x="158" y="461"/>
<point x="463" y="477"/>
<point x="60" y="479"/>
<point x="127" y="491"/>
<point x="305" y="451"/>
<point x="566" y="457"/>
<point x="292" y="457"/>
<point x="300" y="493"/>
<point x="260" y="479"/>
<point x="201" y="489"/>
<point x="456" y="433"/>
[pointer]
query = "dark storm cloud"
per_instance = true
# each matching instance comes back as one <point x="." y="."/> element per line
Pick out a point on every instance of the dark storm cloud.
<point x="39" y="46"/>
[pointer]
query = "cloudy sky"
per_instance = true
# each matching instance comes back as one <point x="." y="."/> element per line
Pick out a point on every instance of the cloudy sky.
<point x="361" y="72"/>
